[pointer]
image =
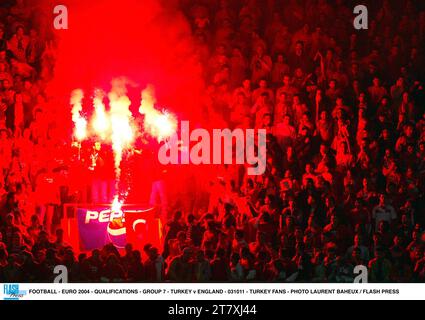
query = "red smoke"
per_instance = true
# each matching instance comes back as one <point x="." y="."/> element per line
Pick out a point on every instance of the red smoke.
<point x="142" y="40"/>
<point x="146" y="41"/>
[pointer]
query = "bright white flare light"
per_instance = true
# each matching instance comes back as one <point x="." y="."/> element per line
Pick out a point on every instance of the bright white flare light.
<point x="117" y="125"/>
<point x="121" y="117"/>
<point x="161" y="125"/>
<point x="116" y="205"/>
<point x="100" y="122"/>
<point x="80" y="128"/>
<point x="164" y="126"/>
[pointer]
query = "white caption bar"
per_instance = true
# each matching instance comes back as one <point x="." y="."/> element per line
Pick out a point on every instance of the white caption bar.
<point x="212" y="292"/>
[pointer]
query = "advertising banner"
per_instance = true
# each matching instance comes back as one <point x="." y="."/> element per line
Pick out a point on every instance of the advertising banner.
<point x="100" y="226"/>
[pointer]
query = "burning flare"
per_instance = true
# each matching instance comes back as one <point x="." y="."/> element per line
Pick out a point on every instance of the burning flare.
<point x="116" y="205"/>
<point x="121" y="122"/>
<point x="80" y="122"/>
<point x="161" y="125"/>
<point x="100" y="122"/>
<point x="116" y="126"/>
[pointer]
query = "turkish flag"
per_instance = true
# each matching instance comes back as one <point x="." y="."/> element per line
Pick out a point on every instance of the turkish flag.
<point x="142" y="227"/>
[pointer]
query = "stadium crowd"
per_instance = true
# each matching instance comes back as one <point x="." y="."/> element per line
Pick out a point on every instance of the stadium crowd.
<point x="344" y="186"/>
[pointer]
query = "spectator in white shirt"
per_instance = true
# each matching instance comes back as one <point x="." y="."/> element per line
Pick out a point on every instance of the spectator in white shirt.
<point x="383" y="212"/>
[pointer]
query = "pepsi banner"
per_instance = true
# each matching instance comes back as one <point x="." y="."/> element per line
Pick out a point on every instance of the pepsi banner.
<point x="100" y="226"/>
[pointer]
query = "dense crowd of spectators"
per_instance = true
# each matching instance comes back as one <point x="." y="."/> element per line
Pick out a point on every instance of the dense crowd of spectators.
<point x="344" y="186"/>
